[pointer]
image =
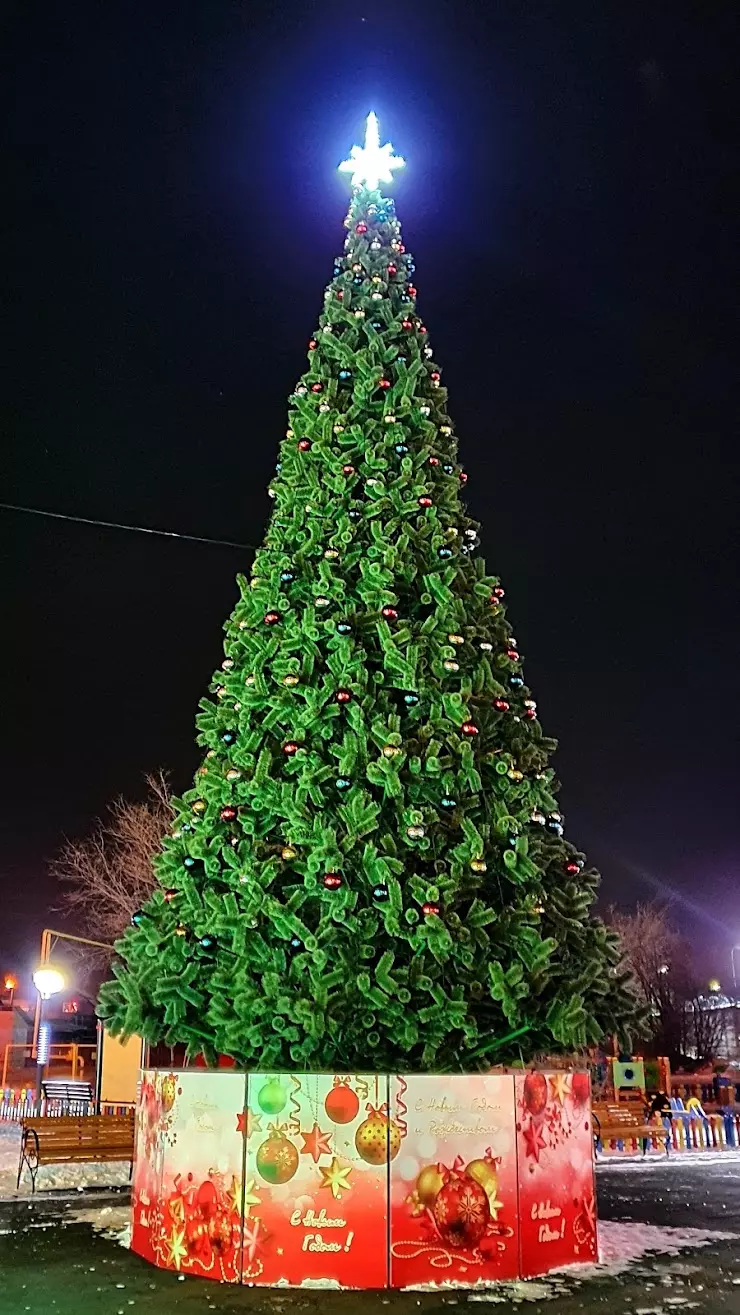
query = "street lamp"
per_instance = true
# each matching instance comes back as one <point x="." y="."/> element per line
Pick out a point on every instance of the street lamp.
<point x="10" y="985"/>
<point x="48" y="980"/>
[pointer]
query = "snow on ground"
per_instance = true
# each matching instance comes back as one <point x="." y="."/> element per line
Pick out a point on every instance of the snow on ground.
<point x="70" y="1177"/>
<point x="621" y="1244"/>
<point x="682" y="1158"/>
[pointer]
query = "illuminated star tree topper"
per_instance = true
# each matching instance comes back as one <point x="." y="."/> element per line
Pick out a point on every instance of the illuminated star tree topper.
<point x="372" y="163"/>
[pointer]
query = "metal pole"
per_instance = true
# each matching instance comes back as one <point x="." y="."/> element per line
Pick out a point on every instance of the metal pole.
<point x="46" y="944"/>
<point x="45" y="955"/>
<point x="39" y="1066"/>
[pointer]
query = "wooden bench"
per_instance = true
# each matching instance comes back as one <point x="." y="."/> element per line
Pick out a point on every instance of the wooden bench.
<point x="74" y="1096"/>
<point x="626" y="1122"/>
<point x="59" y="1139"/>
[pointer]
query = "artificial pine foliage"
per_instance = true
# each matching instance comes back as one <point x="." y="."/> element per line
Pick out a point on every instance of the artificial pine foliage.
<point x="370" y="871"/>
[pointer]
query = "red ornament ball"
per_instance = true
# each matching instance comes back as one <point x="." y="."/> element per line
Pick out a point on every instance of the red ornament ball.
<point x="384" y="383"/>
<point x="400" y="248"/>
<point x="412" y="290"/>
<point x="207" y="1199"/>
<point x="343" y="696"/>
<point x="423" y="328"/>
<point x="530" y="714"/>
<point x="389" y="613"/>
<point x="435" y="376"/>
<point x="312" y="345"/>
<point x="425" y="501"/>
<point x="512" y="654"/>
<point x="406" y="324"/>
<point x="304" y="445"/>
<point x="271" y="618"/>
<point x="228" y="813"/>
<point x="169" y="894"/>
<point x="392" y="269"/>
<point x="498" y="592"/>
<point x="361" y="227"/>
<point x="332" y="880"/>
<point x="580" y="1088"/>
<point x="348" y="470"/>
<point x="535" y="1093"/>
<point x="340" y="295"/>
<point x="430" y="908"/>
<point x="501" y="705"/>
<point x="573" y="868"/>
<point x="469" y="728"/>
<point x="463" y="477"/>
<point x="461" y="1211"/>
<point x="317" y="388"/>
<point x="434" y="461"/>
<point x="342" y="1104"/>
<point x="290" y="747"/>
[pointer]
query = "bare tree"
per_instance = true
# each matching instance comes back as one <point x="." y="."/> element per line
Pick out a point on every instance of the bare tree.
<point x="705" y="1028"/>
<point x="659" y="959"/>
<point x="109" y="874"/>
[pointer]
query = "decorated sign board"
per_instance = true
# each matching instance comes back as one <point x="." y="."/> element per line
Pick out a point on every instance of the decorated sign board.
<point x="363" y="1180"/>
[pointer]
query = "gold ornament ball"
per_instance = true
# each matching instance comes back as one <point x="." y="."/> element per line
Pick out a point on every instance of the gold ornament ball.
<point x="482" y="1173"/>
<point x="378" y="1140"/>
<point x="169" y="1092"/>
<point x="428" y="1184"/>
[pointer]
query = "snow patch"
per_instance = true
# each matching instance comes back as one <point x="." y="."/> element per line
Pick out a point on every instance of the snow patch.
<point x="681" y="1159"/>
<point x="59" y="1177"/>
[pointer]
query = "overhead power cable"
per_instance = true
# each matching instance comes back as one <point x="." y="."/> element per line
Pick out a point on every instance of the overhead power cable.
<point x="117" y="525"/>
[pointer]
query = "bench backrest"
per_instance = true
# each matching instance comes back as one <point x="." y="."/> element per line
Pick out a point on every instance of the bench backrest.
<point x="66" y="1089"/>
<point x="89" y="1131"/>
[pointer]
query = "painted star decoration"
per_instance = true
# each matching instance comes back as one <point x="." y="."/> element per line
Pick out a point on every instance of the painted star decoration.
<point x="316" y="1143"/>
<point x="533" y="1140"/>
<point x="235" y="1194"/>
<point x="176" y="1248"/>
<point x="559" y="1084"/>
<point x="248" y="1123"/>
<point x="372" y="163"/>
<point x="336" y="1178"/>
<point x="251" y="1239"/>
<point x="250" y="1198"/>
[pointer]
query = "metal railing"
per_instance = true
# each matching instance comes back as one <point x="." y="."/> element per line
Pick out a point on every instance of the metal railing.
<point x="66" y="1060"/>
<point x="21" y="1104"/>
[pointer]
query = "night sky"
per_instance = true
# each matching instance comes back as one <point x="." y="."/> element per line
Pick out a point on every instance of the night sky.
<point x="571" y="201"/>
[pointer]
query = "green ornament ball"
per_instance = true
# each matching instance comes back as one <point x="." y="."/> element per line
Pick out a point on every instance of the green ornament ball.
<point x="272" y="1098"/>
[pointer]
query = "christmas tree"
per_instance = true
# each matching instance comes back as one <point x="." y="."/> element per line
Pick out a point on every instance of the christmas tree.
<point x="370" y="872"/>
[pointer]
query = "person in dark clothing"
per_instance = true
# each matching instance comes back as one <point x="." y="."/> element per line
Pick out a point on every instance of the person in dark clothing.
<point x="660" y="1104"/>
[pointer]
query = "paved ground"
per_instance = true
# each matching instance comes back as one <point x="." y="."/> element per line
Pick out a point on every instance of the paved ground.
<point x="54" y="1260"/>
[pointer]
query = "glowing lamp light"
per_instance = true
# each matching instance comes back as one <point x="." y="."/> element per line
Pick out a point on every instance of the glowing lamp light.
<point x="372" y="163"/>
<point x="714" y="984"/>
<point x="44" y="1045"/>
<point x="48" y="981"/>
<point x="10" y="983"/>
